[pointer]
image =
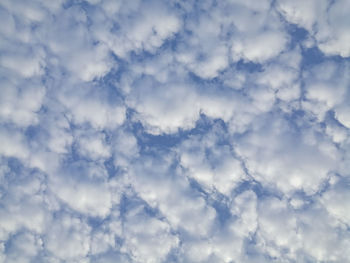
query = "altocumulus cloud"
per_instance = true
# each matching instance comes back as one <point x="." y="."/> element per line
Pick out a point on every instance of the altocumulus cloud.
<point x="174" y="131"/>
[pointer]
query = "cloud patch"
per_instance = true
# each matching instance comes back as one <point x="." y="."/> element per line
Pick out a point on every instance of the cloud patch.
<point x="178" y="131"/>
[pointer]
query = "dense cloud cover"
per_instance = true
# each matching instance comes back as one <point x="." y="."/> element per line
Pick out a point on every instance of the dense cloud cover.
<point x="174" y="131"/>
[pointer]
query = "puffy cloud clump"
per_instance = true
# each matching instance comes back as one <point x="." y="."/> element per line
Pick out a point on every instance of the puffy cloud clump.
<point x="325" y="20"/>
<point x="174" y="131"/>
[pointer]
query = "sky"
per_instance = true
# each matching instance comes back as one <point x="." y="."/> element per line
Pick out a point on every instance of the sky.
<point x="146" y="131"/>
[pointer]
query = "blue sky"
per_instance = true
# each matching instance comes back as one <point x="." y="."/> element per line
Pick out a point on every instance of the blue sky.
<point x="174" y="131"/>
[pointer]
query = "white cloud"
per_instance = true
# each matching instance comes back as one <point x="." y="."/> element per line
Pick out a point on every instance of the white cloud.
<point x="337" y="133"/>
<point x="173" y="197"/>
<point x="14" y="144"/>
<point x="212" y="166"/>
<point x="244" y="207"/>
<point x="24" y="247"/>
<point x="27" y="66"/>
<point x="168" y="107"/>
<point x="304" y="13"/>
<point x="323" y="84"/>
<point x="326" y="89"/>
<point x="204" y="53"/>
<point x="271" y="44"/>
<point x="145" y="26"/>
<point x="20" y="105"/>
<point x="164" y="108"/>
<point x="68" y="238"/>
<point x="93" y="146"/>
<point x="187" y="131"/>
<point x="342" y="114"/>
<point x="23" y="205"/>
<point x="147" y="239"/>
<point x="320" y="237"/>
<point x="102" y="242"/>
<point x="60" y="138"/>
<point x="272" y="152"/>
<point x="278" y="228"/>
<point x="325" y="20"/>
<point x="125" y="148"/>
<point x="84" y="106"/>
<point x="153" y="27"/>
<point x="282" y="80"/>
<point x="84" y="188"/>
<point x="112" y="257"/>
<point x="80" y="56"/>
<point x="333" y="200"/>
<point x="333" y="40"/>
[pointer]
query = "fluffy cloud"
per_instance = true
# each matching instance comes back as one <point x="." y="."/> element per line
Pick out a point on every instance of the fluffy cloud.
<point x="84" y="188"/>
<point x="172" y="195"/>
<point x="272" y="151"/>
<point x="332" y="200"/>
<point x="213" y="169"/>
<point x="68" y="238"/>
<point x="325" y="20"/>
<point x="164" y="108"/>
<point x="23" y="247"/>
<point x="147" y="239"/>
<point x="178" y="131"/>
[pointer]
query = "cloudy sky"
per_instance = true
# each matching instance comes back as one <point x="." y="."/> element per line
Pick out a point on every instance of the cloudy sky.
<point x="174" y="131"/>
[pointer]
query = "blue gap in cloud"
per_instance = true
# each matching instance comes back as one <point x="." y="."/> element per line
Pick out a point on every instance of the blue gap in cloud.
<point x="129" y="202"/>
<point x="173" y="255"/>
<point x="222" y="210"/>
<point x="254" y="186"/>
<point x="297" y="34"/>
<point x="296" y="120"/>
<point x="96" y="222"/>
<point x="16" y="167"/>
<point x="248" y="66"/>
<point x="33" y="132"/>
<point x="148" y="141"/>
<point x="111" y="169"/>
<point x="108" y="85"/>
<point x="204" y="83"/>
<point x="311" y="56"/>
<point x="216" y="200"/>
<point x="69" y="3"/>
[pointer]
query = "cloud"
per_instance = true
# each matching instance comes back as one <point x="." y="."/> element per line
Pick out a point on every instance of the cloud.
<point x="23" y="248"/>
<point x="278" y="228"/>
<point x="94" y="146"/>
<point x="24" y="204"/>
<point x="147" y="239"/>
<point x="325" y="20"/>
<point x="84" y="188"/>
<point x="213" y="169"/>
<point x="164" y="108"/>
<point x="178" y="131"/>
<point x="272" y="151"/>
<point x="84" y="107"/>
<point x="15" y="146"/>
<point x="68" y="238"/>
<point x="271" y="44"/>
<point x="172" y="196"/>
<point x="145" y="26"/>
<point x="331" y="199"/>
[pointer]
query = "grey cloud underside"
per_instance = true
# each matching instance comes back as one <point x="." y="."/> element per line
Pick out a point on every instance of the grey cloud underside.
<point x="174" y="131"/>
